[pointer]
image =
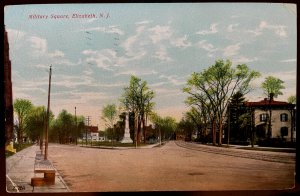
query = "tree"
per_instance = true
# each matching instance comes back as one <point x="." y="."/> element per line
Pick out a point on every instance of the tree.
<point x="137" y="99"/>
<point x="35" y="123"/>
<point x="272" y="88"/>
<point x="217" y="84"/>
<point x="109" y="115"/>
<point x="201" y="106"/>
<point x="22" y="108"/>
<point x="236" y="117"/>
<point x="166" y="126"/>
<point x="64" y="124"/>
<point x="186" y="127"/>
<point x="198" y="118"/>
<point x="292" y="99"/>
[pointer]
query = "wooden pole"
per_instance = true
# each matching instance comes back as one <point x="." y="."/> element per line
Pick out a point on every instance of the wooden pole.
<point x="47" y="118"/>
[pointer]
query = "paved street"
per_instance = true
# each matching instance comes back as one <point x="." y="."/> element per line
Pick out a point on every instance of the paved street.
<point x="172" y="167"/>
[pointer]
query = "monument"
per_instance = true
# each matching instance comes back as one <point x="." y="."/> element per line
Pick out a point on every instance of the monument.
<point x="126" y="138"/>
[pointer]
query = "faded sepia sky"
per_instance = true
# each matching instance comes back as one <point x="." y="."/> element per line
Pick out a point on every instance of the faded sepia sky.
<point x="93" y="58"/>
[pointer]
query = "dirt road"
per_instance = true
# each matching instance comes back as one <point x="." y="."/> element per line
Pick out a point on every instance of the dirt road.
<point x="166" y="168"/>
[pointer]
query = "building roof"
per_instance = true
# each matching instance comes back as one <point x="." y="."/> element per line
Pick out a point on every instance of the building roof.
<point x="93" y="129"/>
<point x="267" y="103"/>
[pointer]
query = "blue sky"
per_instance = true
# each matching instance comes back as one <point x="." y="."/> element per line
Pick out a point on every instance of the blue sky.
<point x="93" y="58"/>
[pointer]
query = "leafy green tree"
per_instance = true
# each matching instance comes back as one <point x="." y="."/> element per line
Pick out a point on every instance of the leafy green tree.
<point x="186" y="126"/>
<point x="109" y="115"/>
<point x="236" y="111"/>
<point x="292" y="99"/>
<point x="272" y="86"/>
<point x="166" y="126"/>
<point x="64" y="125"/>
<point x="22" y="108"/>
<point x="36" y="123"/>
<point x="195" y="117"/>
<point x="217" y="84"/>
<point x="137" y="98"/>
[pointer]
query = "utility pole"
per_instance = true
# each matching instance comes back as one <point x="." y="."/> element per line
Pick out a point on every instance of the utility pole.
<point x="47" y="118"/>
<point x="76" y="130"/>
<point x="88" y="124"/>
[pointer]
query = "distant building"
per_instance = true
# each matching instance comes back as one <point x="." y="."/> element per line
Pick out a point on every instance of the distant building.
<point x="8" y="97"/>
<point x="92" y="133"/>
<point x="282" y="119"/>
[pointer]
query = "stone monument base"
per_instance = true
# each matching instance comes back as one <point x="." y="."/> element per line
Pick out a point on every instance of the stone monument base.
<point x="126" y="139"/>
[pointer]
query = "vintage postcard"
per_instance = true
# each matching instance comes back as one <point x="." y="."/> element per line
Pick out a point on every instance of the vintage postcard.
<point x="122" y="97"/>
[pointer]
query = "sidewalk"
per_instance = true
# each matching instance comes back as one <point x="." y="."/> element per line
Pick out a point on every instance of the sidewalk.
<point x="20" y="170"/>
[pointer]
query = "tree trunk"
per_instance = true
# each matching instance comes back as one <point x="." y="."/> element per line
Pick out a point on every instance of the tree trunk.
<point x="139" y="131"/>
<point x="220" y="132"/>
<point x="135" y="128"/>
<point x="144" y="129"/>
<point x="214" y="132"/>
<point x="269" y="134"/>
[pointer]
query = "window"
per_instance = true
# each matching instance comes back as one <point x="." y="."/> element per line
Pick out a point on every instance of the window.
<point x="283" y="117"/>
<point x="284" y="131"/>
<point x="264" y="117"/>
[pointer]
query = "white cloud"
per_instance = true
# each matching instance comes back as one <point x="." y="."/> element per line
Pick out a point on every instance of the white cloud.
<point x="288" y="61"/>
<point x="166" y="91"/>
<point x="173" y="79"/>
<point x="231" y="27"/>
<point x="72" y="81"/>
<point x="242" y="59"/>
<point x="39" y="44"/>
<point x="134" y="45"/>
<point x="143" y="22"/>
<point x="231" y="50"/>
<point x="57" y="53"/>
<point x="207" y="46"/>
<point x="159" y="33"/>
<point x="66" y="62"/>
<point x="279" y="30"/>
<point x="89" y="52"/>
<point x="88" y="72"/>
<point x="15" y="35"/>
<point x="162" y="54"/>
<point x="105" y="58"/>
<point x="285" y="76"/>
<point x="212" y="30"/>
<point x="110" y="29"/>
<point x="42" y="66"/>
<point x="137" y="72"/>
<point x="181" y="42"/>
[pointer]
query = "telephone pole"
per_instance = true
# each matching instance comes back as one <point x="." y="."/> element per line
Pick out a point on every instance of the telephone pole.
<point x="88" y="124"/>
<point x="76" y="130"/>
<point x="47" y="118"/>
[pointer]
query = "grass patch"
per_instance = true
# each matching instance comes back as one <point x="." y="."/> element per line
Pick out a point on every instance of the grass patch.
<point x="110" y="144"/>
<point x="8" y="154"/>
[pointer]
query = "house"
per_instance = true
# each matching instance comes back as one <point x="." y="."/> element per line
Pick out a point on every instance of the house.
<point x="273" y="119"/>
<point x="92" y="133"/>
